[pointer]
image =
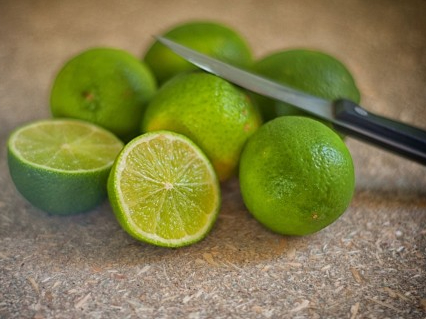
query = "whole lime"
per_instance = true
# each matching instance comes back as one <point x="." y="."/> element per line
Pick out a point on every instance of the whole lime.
<point x="313" y="72"/>
<point x="296" y="175"/>
<point x="105" y="86"/>
<point x="211" y="38"/>
<point x="214" y="114"/>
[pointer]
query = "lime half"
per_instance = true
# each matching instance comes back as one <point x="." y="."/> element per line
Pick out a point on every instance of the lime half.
<point x="164" y="190"/>
<point x="62" y="166"/>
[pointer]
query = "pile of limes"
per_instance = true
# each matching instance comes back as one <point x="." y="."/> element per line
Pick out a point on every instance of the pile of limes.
<point x="158" y="137"/>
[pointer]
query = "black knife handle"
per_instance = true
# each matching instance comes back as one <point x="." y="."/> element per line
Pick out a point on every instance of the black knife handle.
<point x="397" y="137"/>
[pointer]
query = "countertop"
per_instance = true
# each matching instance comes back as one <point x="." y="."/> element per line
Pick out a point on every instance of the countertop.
<point x="371" y="263"/>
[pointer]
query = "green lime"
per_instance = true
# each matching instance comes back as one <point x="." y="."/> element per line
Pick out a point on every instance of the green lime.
<point x="310" y="71"/>
<point x="296" y="175"/>
<point x="62" y="166"/>
<point x="105" y="86"/>
<point x="164" y="190"/>
<point x="214" y="114"/>
<point x="211" y="38"/>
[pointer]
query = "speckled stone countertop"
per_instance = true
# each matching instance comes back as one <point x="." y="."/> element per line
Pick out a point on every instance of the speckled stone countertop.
<point x="371" y="263"/>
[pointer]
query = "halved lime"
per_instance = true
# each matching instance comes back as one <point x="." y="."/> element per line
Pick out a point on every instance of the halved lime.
<point x="62" y="166"/>
<point x="164" y="190"/>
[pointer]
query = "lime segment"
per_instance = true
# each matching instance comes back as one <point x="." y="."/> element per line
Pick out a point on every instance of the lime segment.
<point x="61" y="166"/>
<point x="163" y="190"/>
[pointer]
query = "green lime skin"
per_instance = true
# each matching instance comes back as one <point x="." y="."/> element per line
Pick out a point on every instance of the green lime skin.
<point x="211" y="38"/>
<point x="310" y="71"/>
<point x="210" y="111"/>
<point x="105" y="86"/>
<point x="56" y="192"/>
<point x="296" y="175"/>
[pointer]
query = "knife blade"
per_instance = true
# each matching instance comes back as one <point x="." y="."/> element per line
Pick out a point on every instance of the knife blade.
<point x="345" y="115"/>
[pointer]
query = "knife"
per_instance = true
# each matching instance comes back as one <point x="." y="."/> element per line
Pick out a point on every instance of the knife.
<point x="346" y="116"/>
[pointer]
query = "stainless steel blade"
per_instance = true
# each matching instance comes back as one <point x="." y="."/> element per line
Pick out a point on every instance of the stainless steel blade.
<point x="311" y="104"/>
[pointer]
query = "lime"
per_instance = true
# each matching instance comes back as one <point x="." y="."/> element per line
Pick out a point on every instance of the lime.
<point x="164" y="190"/>
<point x="210" y="111"/>
<point x="296" y="175"/>
<point x="62" y="166"/>
<point x="105" y="86"/>
<point x="211" y="38"/>
<point x="310" y="71"/>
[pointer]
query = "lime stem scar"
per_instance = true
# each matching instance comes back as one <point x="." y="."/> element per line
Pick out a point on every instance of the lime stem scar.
<point x="88" y="96"/>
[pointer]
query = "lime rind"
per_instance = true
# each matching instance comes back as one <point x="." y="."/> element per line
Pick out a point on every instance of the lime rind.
<point x="56" y="192"/>
<point x="155" y="192"/>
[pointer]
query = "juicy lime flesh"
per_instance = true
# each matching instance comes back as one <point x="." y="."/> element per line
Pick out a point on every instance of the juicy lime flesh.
<point x="296" y="175"/>
<point x="166" y="189"/>
<point x="66" y="145"/>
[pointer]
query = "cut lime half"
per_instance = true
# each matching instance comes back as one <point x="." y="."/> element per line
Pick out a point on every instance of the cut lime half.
<point x="164" y="190"/>
<point x="62" y="166"/>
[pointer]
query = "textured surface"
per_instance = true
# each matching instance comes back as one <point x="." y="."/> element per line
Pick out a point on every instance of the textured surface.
<point x="371" y="263"/>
